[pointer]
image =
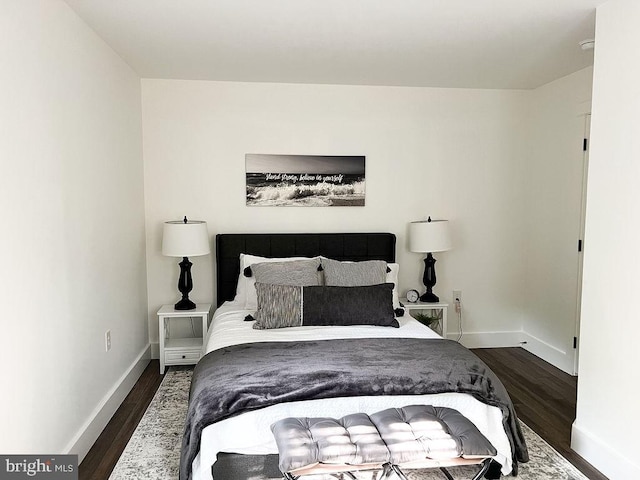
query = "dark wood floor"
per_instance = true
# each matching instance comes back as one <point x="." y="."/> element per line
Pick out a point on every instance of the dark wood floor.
<point x="104" y="454"/>
<point x="544" y="398"/>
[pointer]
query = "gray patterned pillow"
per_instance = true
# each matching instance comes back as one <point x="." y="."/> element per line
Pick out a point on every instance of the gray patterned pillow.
<point x="296" y="272"/>
<point x="354" y="274"/>
<point x="279" y="306"/>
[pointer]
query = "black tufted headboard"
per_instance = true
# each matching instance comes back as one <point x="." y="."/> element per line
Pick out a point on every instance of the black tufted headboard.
<point x="339" y="246"/>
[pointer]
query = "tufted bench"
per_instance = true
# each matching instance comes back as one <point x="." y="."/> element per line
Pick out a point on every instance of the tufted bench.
<point x="416" y="436"/>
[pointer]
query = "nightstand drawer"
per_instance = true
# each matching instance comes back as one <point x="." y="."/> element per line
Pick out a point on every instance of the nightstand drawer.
<point x="189" y="356"/>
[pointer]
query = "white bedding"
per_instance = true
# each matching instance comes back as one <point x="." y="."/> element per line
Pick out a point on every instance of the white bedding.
<point x="250" y="432"/>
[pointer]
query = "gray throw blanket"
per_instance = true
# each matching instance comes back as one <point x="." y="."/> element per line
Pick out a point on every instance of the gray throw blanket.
<point x="241" y="378"/>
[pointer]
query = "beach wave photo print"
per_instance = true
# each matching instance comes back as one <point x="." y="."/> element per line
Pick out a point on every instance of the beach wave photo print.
<point x="305" y="180"/>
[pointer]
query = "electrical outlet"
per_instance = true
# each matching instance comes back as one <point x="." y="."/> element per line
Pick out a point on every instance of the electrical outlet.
<point x="457" y="301"/>
<point x="107" y="340"/>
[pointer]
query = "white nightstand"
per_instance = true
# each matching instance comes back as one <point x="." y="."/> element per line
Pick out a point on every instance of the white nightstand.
<point x="183" y="350"/>
<point x="441" y="308"/>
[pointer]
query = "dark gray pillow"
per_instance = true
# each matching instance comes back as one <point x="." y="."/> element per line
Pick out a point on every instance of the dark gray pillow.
<point x="366" y="305"/>
<point x="296" y="272"/>
<point x="282" y="306"/>
<point x="354" y="274"/>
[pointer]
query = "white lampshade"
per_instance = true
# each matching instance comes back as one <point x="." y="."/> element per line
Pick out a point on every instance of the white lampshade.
<point x="429" y="236"/>
<point x="180" y="239"/>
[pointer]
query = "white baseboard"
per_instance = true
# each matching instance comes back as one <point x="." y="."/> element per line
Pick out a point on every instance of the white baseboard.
<point x="602" y="456"/>
<point x="91" y="430"/>
<point x="489" y="339"/>
<point x="540" y="349"/>
<point x="549" y="353"/>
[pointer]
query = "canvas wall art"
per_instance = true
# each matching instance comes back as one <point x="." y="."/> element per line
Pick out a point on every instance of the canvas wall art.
<point x="305" y="180"/>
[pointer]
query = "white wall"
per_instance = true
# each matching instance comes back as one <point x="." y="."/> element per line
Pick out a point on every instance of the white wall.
<point x="448" y="153"/>
<point x="605" y="430"/>
<point x="71" y="200"/>
<point x="553" y="192"/>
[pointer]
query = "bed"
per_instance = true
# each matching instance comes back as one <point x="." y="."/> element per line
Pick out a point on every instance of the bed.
<point x="250" y="378"/>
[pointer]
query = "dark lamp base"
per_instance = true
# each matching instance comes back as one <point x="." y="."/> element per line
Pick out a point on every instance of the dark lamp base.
<point x="185" y="284"/>
<point x="429" y="297"/>
<point x="185" y="304"/>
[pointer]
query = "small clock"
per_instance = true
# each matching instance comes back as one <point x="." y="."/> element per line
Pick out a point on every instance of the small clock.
<point x="413" y="296"/>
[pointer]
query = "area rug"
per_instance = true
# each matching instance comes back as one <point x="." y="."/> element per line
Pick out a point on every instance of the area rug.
<point x="153" y="452"/>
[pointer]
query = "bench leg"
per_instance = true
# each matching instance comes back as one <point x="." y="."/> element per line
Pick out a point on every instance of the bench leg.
<point x="446" y="473"/>
<point x="483" y="469"/>
<point x="386" y="471"/>
<point x="290" y="476"/>
<point x="485" y="466"/>
<point x="387" y="468"/>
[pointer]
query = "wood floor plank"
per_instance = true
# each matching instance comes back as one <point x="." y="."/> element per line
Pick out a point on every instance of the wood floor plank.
<point x="544" y="398"/>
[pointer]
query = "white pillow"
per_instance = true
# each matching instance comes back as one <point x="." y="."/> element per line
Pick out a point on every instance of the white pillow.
<point x="392" y="277"/>
<point x="246" y="289"/>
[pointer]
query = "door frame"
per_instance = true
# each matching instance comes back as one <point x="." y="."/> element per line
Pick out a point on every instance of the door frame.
<point x="581" y="239"/>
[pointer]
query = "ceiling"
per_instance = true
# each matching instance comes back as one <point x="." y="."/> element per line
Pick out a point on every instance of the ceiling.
<point x="436" y="43"/>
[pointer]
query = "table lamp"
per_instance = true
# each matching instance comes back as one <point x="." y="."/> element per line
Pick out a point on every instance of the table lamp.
<point x="185" y="238"/>
<point x="428" y="237"/>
